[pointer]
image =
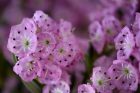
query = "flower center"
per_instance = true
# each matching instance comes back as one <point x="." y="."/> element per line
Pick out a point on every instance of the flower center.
<point x="100" y="82"/>
<point x="29" y="65"/>
<point x="47" y="42"/>
<point x="109" y="31"/>
<point x="126" y="71"/>
<point x="61" y="50"/>
<point x="26" y="43"/>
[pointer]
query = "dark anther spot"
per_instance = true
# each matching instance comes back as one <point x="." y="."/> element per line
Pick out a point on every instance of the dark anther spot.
<point x="69" y="55"/>
<point x="65" y="59"/>
<point x="40" y="51"/>
<point x="121" y="48"/>
<point x="69" y="44"/>
<point x="123" y="82"/>
<point x="48" y="24"/>
<point x="43" y="69"/>
<point x="71" y="49"/>
<point x="14" y="39"/>
<point x="25" y="28"/>
<point x="123" y="54"/>
<point x="18" y="32"/>
<point x="121" y="42"/>
<point x="123" y="35"/>
<point x="114" y="69"/>
<point x="51" y="73"/>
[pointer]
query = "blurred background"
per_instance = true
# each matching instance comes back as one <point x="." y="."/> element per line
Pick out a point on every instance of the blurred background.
<point x="13" y="11"/>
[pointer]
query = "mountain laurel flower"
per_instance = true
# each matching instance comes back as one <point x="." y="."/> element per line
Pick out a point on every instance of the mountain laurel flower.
<point x="97" y="36"/>
<point x="86" y="88"/>
<point x="26" y="68"/>
<point x="44" y="47"/>
<point x="49" y="73"/>
<point x="111" y="26"/>
<point x="137" y="39"/>
<point x="101" y="81"/>
<point x="124" y="75"/>
<point x="60" y="87"/>
<point x="124" y="43"/>
<point x="136" y="24"/>
<point x="44" y="22"/>
<point x="51" y="55"/>
<point x="65" y="54"/>
<point x="22" y="42"/>
<point x="46" y="42"/>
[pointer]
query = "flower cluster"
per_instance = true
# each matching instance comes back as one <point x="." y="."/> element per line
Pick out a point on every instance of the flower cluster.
<point x="49" y="53"/>
<point x="120" y="70"/>
<point x="44" y="48"/>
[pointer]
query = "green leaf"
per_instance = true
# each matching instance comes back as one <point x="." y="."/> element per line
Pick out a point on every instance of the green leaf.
<point x="33" y="87"/>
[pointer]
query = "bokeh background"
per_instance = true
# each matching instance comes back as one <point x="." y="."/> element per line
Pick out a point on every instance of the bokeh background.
<point x="13" y="11"/>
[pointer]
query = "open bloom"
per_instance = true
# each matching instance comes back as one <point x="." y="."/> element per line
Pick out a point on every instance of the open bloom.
<point x="22" y="41"/>
<point x="46" y="42"/>
<point x="49" y="73"/>
<point x="26" y="68"/>
<point x="124" y="75"/>
<point x="65" y="54"/>
<point x="101" y="80"/>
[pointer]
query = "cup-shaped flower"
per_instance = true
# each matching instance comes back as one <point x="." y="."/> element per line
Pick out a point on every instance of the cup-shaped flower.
<point x="101" y="80"/>
<point x="26" y="68"/>
<point x="21" y="42"/>
<point x="124" y="75"/>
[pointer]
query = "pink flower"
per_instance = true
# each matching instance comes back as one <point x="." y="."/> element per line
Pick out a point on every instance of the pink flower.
<point x="124" y="75"/>
<point x="26" y="68"/>
<point x="49" y="73"/>
<point x="86" y="88"/>
<point x="60" y="87"/>
<point x="111" y="26"/>
<point x="44" y="22"/>
<point x="64" y="53"/>
<point x="101" y="80"/>
<point x="124" y="43"/>
<point x="21" y="41"/>
<point x="46" y="42"/>
<point x="97" y="36"/>
<point x="136" y="24"/>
